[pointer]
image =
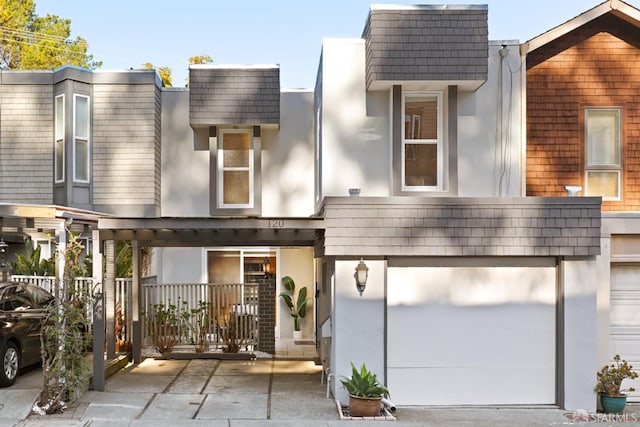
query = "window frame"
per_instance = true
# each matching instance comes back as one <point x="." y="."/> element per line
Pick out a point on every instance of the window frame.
<point x="595" y="168"/>
<point x="220" y="168"/>
<point x="86" y="140"/>
<point x="59" y="140"/>
<point x="439" y="142"/>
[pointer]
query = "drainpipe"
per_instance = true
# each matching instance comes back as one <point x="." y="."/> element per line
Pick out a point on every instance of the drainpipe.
<point x="388" y="404"/>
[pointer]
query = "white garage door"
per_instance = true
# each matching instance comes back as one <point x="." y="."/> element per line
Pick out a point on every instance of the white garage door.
<point x="624" y="317"/>
<point x="471" y="335"/>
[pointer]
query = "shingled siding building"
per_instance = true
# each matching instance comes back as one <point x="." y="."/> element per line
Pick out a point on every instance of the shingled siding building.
<point x="407" y="157"/>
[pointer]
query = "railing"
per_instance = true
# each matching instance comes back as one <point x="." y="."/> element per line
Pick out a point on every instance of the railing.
<point x="227" y="313"/>
<point x="85" y="284"/>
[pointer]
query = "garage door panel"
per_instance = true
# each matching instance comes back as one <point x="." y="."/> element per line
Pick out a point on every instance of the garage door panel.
<point x="473" y="335"/>
<point x="624" y="319"/>
<point x="473" y="385"/>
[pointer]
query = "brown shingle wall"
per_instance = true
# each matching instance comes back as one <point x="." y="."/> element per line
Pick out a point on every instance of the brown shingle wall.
<point x="596" y="65"/>
<point x="462" y="226"/>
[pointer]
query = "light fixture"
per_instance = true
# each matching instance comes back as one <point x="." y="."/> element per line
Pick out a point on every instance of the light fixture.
<point x="3" y="247"/>
<point x="266" y="266"/>
<point x="361" y="274"/>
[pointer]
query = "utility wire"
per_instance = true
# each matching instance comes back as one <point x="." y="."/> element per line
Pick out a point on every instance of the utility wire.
<point x="27" y="33"/>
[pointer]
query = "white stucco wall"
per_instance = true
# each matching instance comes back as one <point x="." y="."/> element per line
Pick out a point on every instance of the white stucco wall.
<point x="185" y="171"/>
<point x="287" y="158"/>
<point x="357" y="323"/>
<point x="489" y="147"/>
<point x="296" y="263"/>
<point x="180" y="265"/>
<point x="355" y="124"/>
<point x="580" y="343"/>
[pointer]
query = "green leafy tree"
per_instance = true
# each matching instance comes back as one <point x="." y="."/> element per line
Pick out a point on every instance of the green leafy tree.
<point x="32" y="42"/>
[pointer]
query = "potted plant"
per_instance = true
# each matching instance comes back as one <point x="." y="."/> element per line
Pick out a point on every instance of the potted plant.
<point x="610" y="378"/>
<point x="297" y="306"/>
<point x="365" y="392"/>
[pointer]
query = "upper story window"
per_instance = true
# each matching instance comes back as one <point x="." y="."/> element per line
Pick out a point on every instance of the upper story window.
<point x="81" y="140"/>
<point x="235" y="169"/>
<point x="422" y="142"/>
<point x="602" y="147"/>
<point x="59" y="139"/>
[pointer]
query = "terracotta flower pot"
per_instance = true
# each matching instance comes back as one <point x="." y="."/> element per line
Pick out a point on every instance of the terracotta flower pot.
<point x="364" y="406"/>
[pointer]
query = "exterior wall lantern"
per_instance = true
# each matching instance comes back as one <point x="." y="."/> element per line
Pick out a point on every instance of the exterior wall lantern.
<point x="361" y="274"/>
<point x="266" y="266"/>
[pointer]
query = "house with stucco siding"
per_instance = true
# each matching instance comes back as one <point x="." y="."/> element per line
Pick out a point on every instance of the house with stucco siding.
<point x="424" y="152"/>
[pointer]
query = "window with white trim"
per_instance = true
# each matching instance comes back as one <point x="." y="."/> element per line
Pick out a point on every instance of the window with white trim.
<point x="422" y="142"/>
<point x="603" y="167"/>
<point x="81" y="132"/>
<point x="59" y="139"/>
<point x="235" y="169"/>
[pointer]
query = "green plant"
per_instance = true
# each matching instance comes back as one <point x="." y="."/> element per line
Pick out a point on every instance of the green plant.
<point x="31" y="264"/>
<point x="199" y="326"/>
<point x="610" y="377"/>
<point x="166" y="324"/>
<point x="64" y="337"/>
<point x="297" y="306"/>
<point x="363" y="383"/>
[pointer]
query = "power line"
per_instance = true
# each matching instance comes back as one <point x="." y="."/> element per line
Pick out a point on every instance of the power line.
<point x="32" y="34"/>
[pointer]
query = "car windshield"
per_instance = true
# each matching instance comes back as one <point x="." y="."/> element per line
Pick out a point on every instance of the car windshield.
<point x="41" y="297"/>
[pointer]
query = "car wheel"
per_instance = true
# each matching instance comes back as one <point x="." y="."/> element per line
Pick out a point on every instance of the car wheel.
<point x="10" y="364"/>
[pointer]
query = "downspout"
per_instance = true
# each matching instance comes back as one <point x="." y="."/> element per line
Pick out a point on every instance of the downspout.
<point x="523" y="119"/>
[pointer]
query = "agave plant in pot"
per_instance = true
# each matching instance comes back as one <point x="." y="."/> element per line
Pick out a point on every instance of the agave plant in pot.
<point x="365" y="392"/>
<point x="609" y="386"/>
<point x="297" y="306"/>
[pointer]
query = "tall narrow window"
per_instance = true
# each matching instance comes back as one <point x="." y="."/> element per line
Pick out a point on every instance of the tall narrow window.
<point x="235" y="169"/>
<point x="81" y="120"/>
<point x="603" y="160"/>
<point x="422" y="142"/>
<point x="59" y="139"/>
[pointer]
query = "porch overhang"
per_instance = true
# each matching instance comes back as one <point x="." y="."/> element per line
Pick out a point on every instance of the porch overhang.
<point x="26" y="218"/>
<point x="193" y="232"/>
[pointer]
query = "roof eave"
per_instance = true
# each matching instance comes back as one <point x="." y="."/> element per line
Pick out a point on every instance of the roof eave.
<point x="616" y="7"/>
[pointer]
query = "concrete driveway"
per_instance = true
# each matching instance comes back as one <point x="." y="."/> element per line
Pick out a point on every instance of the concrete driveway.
<point x="245" y="393"/>
<point x="16" y="401"/>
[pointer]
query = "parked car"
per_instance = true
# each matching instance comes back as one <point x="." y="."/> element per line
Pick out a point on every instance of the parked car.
<point x="22" y="310"/>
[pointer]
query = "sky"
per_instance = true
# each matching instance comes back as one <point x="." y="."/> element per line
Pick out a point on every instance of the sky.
<point x="127" y="34"/>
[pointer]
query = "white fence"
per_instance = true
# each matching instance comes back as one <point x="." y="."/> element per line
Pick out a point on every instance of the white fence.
<point x="227" y="312"/>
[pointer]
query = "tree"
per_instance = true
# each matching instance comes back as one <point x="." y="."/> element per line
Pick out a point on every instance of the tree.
<point x="200" y="59"/>
<point x="163" y="72"/>
<point x="32" y="42"/>
<point x="65" y="336"/>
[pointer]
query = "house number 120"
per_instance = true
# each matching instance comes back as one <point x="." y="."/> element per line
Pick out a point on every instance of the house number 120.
<point x="276" y="223"/>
